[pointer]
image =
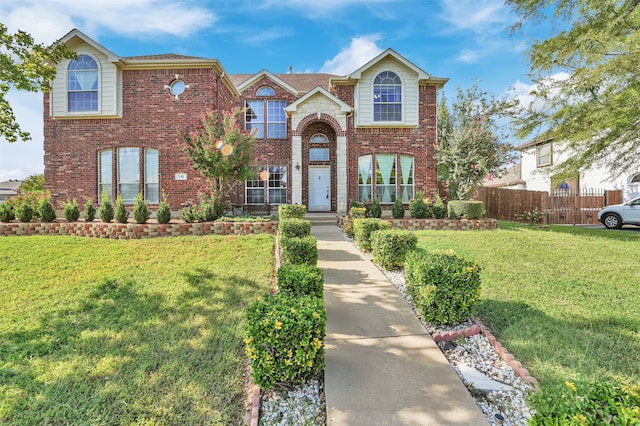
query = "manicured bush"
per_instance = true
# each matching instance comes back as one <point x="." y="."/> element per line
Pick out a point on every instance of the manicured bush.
<point x="163" y="214"/>
<point x="32" y="198"/>
<point x="420" y="208"/>
<point x="390" y="247"/>
<point x="46" y="211"/>
<point x="6" y="212"/>
<point x="191" y="213"/>
<point x="358" y="212"/>
<point x="141" y="212"/>
<point x="597" y="403"/>
<point x="347" y="226"/>
<point x="397" y="211"/>
<point x="89" y="210"/>
<point x="71" y="210"/>
<point x="298" y="251"/>
<point x="105" y="211"/>
<point x="301" y="280"/>
<point x="294" y="227"/>
<point x="459" y="209"/>
<point x="363" y="228"/>
<point x="375" y="210"/>
<point x="285" y="339"/>
<point x="292" y="211"/>
<point x="121" y="213"/>
<point x="444" y="287"/>
<point x="24" y="213"/>
<point x="439" y="208"/>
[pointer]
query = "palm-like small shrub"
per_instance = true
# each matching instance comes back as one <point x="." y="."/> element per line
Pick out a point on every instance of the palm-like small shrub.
<point x="24" y="213"/>
<point x="375" y="210"/>
<point x="163" y="215"/>
<point x="439" y="208"/>
<point x="89" y="210"/>
<point x="294" y="227"/>
<point x="46" y="211"/>
<point x="299" y="251"/>
<point x="397" y="211"/>
<point x="285" y="339"/>
<point x="105" y="211"/>
<point x="301" y="280"/>
<point x="121" y="213"/>
<point x="444" y="287"/>
<point x="6" y="212"/>
<point x="71" y="210"/>
<point x="363" y="228"/>
<point x="141" y="212"/>
<point x="390" y="247"/>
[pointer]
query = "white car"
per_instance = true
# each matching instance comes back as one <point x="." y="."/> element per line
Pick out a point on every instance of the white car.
<point x="621" y="214"/>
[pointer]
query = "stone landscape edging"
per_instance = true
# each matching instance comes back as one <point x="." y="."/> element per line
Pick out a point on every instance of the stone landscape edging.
<point x="414" y="224"/>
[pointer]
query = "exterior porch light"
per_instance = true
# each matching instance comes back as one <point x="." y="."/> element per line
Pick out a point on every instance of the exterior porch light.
<point x="297" y="166"/>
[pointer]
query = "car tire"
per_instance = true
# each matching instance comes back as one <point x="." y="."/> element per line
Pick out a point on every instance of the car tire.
<point x="612" y="221"/>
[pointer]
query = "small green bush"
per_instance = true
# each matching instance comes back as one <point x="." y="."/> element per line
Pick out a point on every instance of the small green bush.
<point x="191" y="213"/>
<point x="358" y="212"/>
<point x="298" y="251"/>
<point x="71" y="210"/>
<point x="46" y="211"/>
<point x="32" y="198"/>
<point x="294" y="227"/>
<point x="89" y="210"/>
<point x="390" y="247"/>
<point x="141" y="212"/>
<point x="163" y="214"/>
<point x="459" y="209"/>
<point x="439" y="208"/>
<point x="285" y="339"/>
<point x="444" y="287"/>
<point x="420" y="208"/>
<point x="347" y="226"/>
<point x="121" y="213"/>
<point x="301" y="280"/>
<point x="597" y="403"/>
<point x="375" y="210"/>
<point x="24" y="213"/>
<point x="105" y="211"/>
<point x="6" y="212"/>
<point x="363" y="228"/>
<point x="397" y="211"/>
<point x="292" y="211"/>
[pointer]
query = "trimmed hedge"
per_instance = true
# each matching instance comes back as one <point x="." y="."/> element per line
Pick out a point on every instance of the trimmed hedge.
<point x="444" y="287"/>
<point x="301" y="280"/>
<point x="363" y="228"/>
<point x="294" y="227"/>
<point x="299" y="251"/>
<point x="390" y="247"/>
<point x="285" y="339"/>
<point x="292" y="211"/>
<point x="458" y="209"/>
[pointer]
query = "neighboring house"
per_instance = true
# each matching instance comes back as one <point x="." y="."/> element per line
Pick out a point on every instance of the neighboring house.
<point x="511" y="178"/>
<point x="540" y="155"/>
<point x="9" y="188"/>
<point x="111" y="125"/>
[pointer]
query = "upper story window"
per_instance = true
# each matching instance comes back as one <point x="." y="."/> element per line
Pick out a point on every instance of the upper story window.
<point x="387" y="97"/>
<point x="635" y="179"/>
<point x="265" y="91"/>
<point x="82" y="84"/>
<point x="275" y="122"/>
<point x="319" y="138"/>
<point x="544" y="155"/>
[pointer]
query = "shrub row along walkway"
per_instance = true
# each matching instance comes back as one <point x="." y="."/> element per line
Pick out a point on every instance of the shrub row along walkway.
<point x="382" y="367"/>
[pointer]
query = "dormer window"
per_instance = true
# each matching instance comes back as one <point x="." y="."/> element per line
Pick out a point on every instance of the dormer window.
<point x="387" y="97"/>
<point x="265" y="91"/>
<point x="82" y="84"/>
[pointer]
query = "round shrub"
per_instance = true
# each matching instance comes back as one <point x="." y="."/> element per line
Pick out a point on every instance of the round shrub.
<point x="299" y="251"/>
<point x="390" y="247"/>
<point x="46" y="211"/>
<point x="71" y="210"/>
<point x="292" y="211"/>
<point x="439" y="208"/>
<point x="459" y="209"/>
<point x="358" y="212"/>
<point x="89" y="210"/>
<point x="285" y="339"/>
<point x="419" y="208"/>
<point x="301" y="280"/>
<point x="24" y="213"/>
<point x="6" y="212"/>
<point x="294" y="227"/>
<point x="363" y="228"/>
<point x="444" y="287"/>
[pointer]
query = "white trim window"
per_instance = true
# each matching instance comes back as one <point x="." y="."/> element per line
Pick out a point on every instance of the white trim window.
<point x="268" y="187"/>
<point x="151" y="176"/>
<point x="406" y="178"/>
<point x="275" y="121"/>
<point x="394" y="174"/>
<point x="82" y="84"/>
<point x="364" y="178"/>
<point x="128" y="173"/>
<point x="105" y="173"/>
<point x="635" y="179"/>
<point x="544" y="155"/>
<point x="386" y="178"/>
<point x="129" y="169"/>
<point x="387" y="97"/>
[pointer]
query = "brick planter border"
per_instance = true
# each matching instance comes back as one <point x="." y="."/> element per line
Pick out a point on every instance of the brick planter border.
<point x="436" y="224"/>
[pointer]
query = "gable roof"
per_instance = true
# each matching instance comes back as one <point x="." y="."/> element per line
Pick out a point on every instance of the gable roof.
<point x="301" y="82"/>
<point x="264" y="73"/>
<point x="344" y="107"/>
<point x="75" y="36"/>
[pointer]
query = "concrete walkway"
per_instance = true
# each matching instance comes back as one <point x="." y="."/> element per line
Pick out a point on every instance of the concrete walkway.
<point x="382" y="367"/>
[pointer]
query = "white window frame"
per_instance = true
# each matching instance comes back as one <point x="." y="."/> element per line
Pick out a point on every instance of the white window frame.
<point x="151" y="175"/>
<point x="541" y="155"/>
<point x="365" y="169"/>
<point x="374" y="88"/>
<point x="82" y="90"/>
<point x="275" y="183"/>
<point x="105" y="173"/>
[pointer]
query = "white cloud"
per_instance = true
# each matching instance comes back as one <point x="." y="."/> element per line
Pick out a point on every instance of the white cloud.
<point x="476" y="15"/>
<point x="525" y="93"/>
<point x="320" y="8"/>
<point x="361" y="50"/>
<point x="469" y="56"/>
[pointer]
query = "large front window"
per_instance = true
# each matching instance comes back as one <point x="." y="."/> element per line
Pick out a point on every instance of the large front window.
<point x="268" y="187"/>
<point x="129" y="169"/>
<point x="128" y="173"/>
<point x="105" y="173"/>
<point x="275" y="121"/>
<point x="384" y="176"/>
<point x="82" y="84"/>
<point x="387" y="97"/>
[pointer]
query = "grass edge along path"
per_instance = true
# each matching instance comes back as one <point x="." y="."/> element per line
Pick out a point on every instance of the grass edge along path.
<point x="97" y="331"/>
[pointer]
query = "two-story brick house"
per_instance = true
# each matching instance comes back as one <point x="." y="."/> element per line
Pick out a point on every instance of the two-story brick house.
<point x="111" y="124"/>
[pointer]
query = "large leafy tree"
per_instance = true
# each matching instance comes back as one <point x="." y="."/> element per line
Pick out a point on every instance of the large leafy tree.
<point x="470" y="144"/>
<point x="24" y="65"/>
<point x="33" y="183"/>
<point x="594" y="109"/>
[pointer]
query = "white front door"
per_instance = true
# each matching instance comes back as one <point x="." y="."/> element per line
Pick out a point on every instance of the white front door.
<point x="319" y="188"/>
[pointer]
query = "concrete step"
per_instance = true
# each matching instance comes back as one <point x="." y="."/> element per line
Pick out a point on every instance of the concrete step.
<point x="321" y="219"/>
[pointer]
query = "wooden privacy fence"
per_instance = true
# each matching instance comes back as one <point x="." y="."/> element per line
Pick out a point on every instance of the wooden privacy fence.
<point x="558" y="207"/>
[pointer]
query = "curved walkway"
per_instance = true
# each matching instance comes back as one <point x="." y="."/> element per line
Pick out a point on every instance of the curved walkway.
<point x="381" y="365"/>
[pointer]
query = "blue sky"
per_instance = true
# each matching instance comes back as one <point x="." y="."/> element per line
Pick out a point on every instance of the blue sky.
<point x="462" y="40"/>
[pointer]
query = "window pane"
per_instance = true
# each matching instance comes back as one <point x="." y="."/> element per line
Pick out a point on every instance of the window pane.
<point x="277" y="131"/>
<point x="319" y="154"/>
<point x="82" y="84"/>
<point x="544" y="155"/>
<point x="254" y="117"/>
<point x="254" y="189"/>
<point x="105" y="174"/>
<point x="387" y="97"/>
<point x="128" y="173"/>
<point x="319" y="138"/>
<point x="386" y="178"/>
<point x="277" y="125"/>
<point x="265" y="91"/>
<point x="364" y="178"/>
<point x="151" y="180"/>
<point x="635" y="178"/>
<point x="406" y="178"/>
<point x="277" y="184"/>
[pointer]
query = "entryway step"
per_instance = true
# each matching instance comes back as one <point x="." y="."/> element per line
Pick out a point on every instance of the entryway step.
<point x="321" y="219"/>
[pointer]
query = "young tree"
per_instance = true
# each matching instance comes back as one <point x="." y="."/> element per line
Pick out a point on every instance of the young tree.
<point x="24" y="65"/>
<point x="221" y="152"/>
<point x="595" y="44"/>
<point x="33" y="183"/>
<point x="470" y="146"/>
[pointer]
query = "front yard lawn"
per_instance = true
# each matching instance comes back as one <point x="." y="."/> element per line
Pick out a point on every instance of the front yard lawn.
<point x="565" y="301"/>
<point x="97" y="331"/>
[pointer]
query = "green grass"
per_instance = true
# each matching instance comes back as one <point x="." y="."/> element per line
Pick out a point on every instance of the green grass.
<point x="564" y="300"/>
<point x="96" y="331"/>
